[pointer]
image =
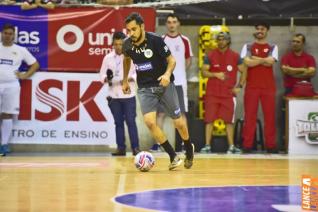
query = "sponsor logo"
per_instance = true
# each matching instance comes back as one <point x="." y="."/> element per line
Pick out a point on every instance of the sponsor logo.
<point x="166" y="48"/>
<point x="177" y="111"/>
<point x="52" y="106"/>
<point x="144" y="66"/>
<point x="148" y="53"/>
<point x="308" y="128"/>
<point x="229" y="68"/>
<point x="76" y="39"/>
<point x="6" y="62"/>
<point x="309" y="197"/>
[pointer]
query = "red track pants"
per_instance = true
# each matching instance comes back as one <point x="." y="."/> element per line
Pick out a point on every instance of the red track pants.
<point x="251" y="100"/>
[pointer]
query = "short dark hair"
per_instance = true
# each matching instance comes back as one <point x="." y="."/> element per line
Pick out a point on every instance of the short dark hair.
<point x="302" y="36"/>
<point x="172" y="15"/>
<point x="262" y="23"/>
<point x="8" y="26"/>
<point x="118" y="36"/>
<point x="134" y="17"/>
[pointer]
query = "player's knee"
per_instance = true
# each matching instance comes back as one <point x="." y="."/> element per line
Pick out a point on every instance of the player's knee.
<point x="179" y="123"/>
<point x="151" y="123"/>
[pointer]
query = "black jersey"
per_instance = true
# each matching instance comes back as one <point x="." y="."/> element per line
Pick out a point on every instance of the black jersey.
<point x="149" y="59"/>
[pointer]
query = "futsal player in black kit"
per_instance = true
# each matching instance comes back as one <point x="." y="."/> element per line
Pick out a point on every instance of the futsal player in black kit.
<point x="154" y="65"/>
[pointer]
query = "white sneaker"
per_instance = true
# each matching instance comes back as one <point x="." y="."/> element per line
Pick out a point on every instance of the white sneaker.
<point x="175" y="163"/>
<point x="206" y="149"/>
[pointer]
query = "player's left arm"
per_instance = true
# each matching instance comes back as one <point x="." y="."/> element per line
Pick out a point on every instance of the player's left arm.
<point x="243" y="74"/>
<point x="188" y="54"/>
<point x="165" y="78"/>
<point x="32" y="63"/>
<point x="165" y="52"/>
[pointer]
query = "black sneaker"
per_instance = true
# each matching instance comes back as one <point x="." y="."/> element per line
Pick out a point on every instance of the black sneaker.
<point x="246" y="151"/>
<point x="188" y="162"/>
<point x="135" y="151"/>
<point x="272" y="151"/>
<point x="119" y="152"/>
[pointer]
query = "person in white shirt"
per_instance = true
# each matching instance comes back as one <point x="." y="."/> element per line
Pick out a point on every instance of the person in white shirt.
<point x="180" y="48"/>
<point x="122" y="106"/>
<point x="11" y="58"/>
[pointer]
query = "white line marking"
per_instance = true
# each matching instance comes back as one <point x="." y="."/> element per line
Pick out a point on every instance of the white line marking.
<point x="120" y="190"/>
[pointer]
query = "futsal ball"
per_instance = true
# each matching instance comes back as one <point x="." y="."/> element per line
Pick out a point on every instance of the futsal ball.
<point x="144" y="161"/>
<point x="219" y="128"/>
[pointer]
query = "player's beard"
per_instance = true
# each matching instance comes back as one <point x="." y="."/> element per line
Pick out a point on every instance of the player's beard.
<point x="139" y="38"/>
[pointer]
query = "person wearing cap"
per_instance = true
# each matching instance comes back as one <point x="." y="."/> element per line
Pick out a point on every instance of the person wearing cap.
<point x="260" y="57"/>
<point x="221" y="67"/>
<point x="297" y="65"/>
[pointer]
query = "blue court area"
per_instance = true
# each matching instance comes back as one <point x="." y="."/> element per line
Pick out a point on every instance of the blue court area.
<point x="236" y="198"/>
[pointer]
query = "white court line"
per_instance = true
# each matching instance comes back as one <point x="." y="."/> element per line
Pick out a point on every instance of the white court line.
<point x="120" y="190"/>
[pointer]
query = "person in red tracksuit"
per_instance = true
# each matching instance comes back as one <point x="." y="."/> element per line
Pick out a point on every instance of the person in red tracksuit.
<point x="221" y="67"/>
<point x="260" y="57"/>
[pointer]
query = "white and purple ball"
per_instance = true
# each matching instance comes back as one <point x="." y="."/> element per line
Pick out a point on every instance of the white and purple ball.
<point x="144" y="161"/>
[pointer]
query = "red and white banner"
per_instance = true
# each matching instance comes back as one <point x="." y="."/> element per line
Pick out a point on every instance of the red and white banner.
<point x="70" y="39"/>
<point x="79" y="38"/>
<point x="64" y="108"/>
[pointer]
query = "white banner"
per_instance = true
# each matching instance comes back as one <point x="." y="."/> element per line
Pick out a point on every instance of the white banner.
<point x="303" y="126"/>
<point x="64" y="108"/>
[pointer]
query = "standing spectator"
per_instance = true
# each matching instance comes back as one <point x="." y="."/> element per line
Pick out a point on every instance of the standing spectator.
<point x="296" y="65"/>
<point x="180" y="48"/>
<point x="260" y="57"/>
<point x="122" y="106"/>
<point x="221" y="67"/>
<point x="154" y="65"/>
<point x="11" y="57"/>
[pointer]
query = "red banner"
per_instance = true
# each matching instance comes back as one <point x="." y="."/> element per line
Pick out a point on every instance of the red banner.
<point x="79" y="38"/>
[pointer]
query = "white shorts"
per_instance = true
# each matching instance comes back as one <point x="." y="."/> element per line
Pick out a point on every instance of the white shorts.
<point x="10" y="100"/>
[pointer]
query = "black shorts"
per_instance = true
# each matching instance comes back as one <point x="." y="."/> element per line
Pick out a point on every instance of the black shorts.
<point x="151" y="98"/>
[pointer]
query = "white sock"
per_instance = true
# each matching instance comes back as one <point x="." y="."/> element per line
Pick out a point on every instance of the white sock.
<point x="6" y="129"/>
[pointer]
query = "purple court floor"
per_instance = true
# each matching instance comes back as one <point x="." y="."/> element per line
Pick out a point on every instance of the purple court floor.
<point x="236" y="198"/>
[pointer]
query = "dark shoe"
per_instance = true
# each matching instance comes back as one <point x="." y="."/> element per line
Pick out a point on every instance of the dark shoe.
<point x="136" y="151"/>
<point x="155" y="148"/>
<point x="246" y="151"/>
<point x="188" y="161"/>
<point x="5" y="149"/>
<point x="2" y="152"/>
<point x="272" y="151"/>
<point x="119" y="153"/>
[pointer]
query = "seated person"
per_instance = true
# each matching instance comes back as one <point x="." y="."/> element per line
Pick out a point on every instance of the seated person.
<point x="32" y="4"/>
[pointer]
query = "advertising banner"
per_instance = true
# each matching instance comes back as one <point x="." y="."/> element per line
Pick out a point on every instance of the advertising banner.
<point x="70" y="39"/>
<point x="303" y="126"/>
<point x="64" y="108"/>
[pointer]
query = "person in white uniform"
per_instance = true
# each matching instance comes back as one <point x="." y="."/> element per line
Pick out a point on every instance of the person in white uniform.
<point x="11" y="58"/>
<point x="181" y="50"/>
